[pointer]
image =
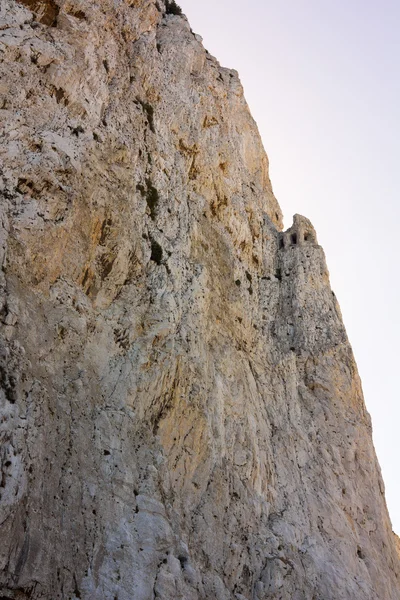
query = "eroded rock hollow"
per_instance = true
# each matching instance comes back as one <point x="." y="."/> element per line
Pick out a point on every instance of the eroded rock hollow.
<point x="181" y="414"/>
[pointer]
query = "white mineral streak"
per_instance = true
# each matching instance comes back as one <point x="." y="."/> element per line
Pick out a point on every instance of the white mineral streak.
<point x="181" y="414"/>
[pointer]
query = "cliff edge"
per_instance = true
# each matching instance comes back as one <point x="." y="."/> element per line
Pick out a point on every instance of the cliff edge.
<point x="180" y="410"/>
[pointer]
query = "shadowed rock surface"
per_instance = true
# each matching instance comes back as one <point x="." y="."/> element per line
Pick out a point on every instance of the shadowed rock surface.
<point x="181" y="414"/>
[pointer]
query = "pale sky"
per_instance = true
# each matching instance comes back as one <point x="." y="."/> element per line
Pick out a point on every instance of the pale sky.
<point x="322" y="80"/>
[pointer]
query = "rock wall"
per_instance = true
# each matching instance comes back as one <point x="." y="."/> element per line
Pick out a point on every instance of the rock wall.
<point x="181" y="414"/>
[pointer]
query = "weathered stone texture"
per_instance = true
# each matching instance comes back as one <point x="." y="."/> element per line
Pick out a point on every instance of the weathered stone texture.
<point x="181" y="414"/>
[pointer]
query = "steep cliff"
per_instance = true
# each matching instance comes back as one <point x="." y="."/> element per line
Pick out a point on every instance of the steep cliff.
<point x="181" y="414"/>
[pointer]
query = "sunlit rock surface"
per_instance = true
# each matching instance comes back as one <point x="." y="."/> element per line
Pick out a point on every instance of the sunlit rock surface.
<point x="181" y="414"/>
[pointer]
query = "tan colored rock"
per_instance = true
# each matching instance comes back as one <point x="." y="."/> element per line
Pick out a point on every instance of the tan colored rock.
<point x="181" y="414"/>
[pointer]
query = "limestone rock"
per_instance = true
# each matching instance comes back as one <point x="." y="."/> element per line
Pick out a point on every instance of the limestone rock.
<point x="181" y="414"/>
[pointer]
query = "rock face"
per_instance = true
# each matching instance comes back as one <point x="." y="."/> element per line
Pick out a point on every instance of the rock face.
<point x="181" y="414"/>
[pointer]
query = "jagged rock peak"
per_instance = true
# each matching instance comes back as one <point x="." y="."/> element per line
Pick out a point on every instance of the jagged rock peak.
<point x="301" y="232"/>
<point x="181" y="413"/>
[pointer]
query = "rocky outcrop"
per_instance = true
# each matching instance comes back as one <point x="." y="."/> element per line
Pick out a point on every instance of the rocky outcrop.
<point x="181" y="414"/>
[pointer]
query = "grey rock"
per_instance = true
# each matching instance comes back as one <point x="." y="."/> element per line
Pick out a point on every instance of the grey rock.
<point x="180" y="410"/>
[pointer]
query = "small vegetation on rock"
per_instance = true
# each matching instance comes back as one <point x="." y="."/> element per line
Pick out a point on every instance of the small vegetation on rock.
<point x="152" y="197"/>
<point x="172" y="8"/>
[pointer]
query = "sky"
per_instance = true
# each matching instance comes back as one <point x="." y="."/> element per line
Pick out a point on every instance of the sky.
<point x="322" y="80"/>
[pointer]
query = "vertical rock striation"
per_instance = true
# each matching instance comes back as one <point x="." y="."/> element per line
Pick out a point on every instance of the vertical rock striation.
<point x="181" y="414"/>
